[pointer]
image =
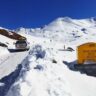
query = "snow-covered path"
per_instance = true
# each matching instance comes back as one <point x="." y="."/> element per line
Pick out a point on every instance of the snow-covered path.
<point x="10" y="61"/>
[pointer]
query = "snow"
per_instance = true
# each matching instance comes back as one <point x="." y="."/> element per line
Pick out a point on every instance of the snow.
<point x="7" y="41"/>
<point x="40" y="76"/>
<point x="3" y="51"/>
<point x="10" y="63"/>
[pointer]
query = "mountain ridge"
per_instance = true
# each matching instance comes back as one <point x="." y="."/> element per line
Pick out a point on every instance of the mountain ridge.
<point x="64" y="29"/>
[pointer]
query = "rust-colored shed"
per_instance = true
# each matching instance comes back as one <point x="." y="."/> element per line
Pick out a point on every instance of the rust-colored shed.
<point x="86" y="52"/>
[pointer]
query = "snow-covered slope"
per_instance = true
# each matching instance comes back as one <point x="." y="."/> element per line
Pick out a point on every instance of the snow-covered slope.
<point x="66" y="30"/>
<point x="46" y="73"/>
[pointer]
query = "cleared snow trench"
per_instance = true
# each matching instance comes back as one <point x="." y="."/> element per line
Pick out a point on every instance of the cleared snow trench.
<point x="10" y="61"/>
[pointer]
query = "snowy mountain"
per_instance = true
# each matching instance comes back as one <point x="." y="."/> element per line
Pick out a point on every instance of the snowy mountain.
<point x="66" y="30"/>
<point x="45" y="70"/>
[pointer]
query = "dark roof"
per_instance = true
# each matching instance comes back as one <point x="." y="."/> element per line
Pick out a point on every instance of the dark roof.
<point x="11" y="34"/>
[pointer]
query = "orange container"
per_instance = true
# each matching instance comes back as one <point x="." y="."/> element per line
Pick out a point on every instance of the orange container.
<point x="86" y="52"/>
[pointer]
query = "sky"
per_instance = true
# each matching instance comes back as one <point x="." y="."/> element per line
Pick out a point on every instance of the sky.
<point x="37" y="13"/>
